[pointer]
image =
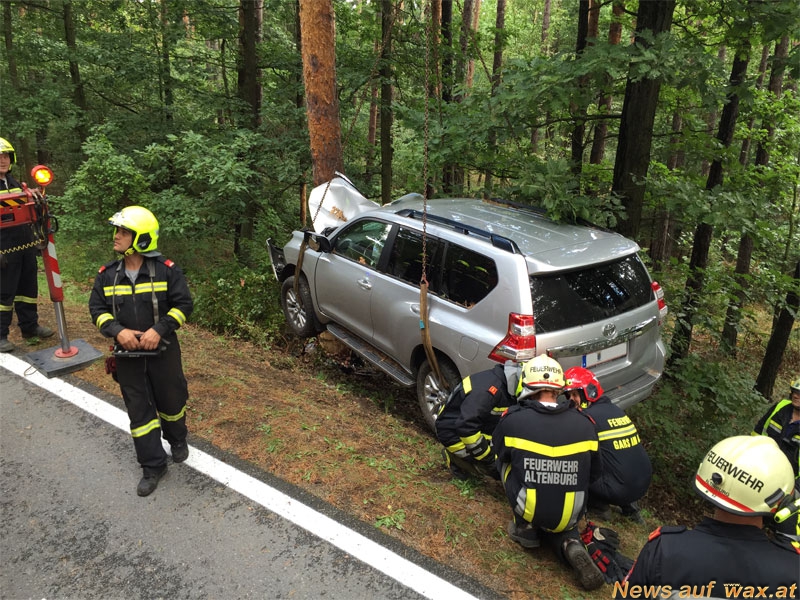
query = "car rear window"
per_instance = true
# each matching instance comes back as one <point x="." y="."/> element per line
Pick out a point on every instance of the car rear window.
<point x="565" y="300"/>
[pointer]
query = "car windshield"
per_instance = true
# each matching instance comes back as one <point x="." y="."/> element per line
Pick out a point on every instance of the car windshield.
<point x="575" y="298"/>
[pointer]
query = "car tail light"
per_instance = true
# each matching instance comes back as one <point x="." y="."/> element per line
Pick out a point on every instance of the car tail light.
<point x="662" y="305"/>
<point x="520" y="341"/>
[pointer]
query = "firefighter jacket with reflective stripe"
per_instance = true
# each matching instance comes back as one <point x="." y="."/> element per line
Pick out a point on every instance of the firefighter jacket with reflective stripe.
<point x="777" y="424"/>
<point x="16" y="235"/>
<point x="626" y="467"/>
<point x="468" y="418"/>
<point x="723" y="553"/>
<point x="128" y="304"/>
<point x="547" y="456"/>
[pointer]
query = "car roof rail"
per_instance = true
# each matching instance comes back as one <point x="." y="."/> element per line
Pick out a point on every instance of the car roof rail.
<point x="498" y="241"/>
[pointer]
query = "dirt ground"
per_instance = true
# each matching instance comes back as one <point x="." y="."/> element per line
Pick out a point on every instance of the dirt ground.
<point x="354" y="440"/>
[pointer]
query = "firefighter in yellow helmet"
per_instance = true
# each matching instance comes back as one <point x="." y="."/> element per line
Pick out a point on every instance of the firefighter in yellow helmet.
<point x="547" y="453"/>
<point x="140" y="300"/>
<point x="781" y="422"/>
<point x="19" y="285"/>
<point x="746" y="479"/>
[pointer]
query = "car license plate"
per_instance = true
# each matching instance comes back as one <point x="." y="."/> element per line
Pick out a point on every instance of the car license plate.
<point x="605" y="355"/>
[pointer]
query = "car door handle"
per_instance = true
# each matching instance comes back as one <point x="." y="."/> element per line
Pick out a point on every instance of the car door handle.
<point x="364" y="283"/>
<point x="415" y="309"/>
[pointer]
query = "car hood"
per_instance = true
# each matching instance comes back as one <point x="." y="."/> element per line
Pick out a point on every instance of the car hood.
<point x="335" y="202"/>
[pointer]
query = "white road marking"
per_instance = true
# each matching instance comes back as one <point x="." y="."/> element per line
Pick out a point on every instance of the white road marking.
<point x="371" y="553"/>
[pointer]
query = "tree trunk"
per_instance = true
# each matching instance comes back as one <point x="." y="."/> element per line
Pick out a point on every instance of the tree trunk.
<point x="578" y="110"/>
<point x="249" y="92"/>
<point x="476" y="13"/>
<point x="299" y="102"/>
<point x="319" y="76"/>
<point x="386" y="115"/>
<point x="733" y="316"/>
<point x="744" y="153"/>
<point x="497" y="74"/>
<point x="636" y="126"/>
<point x="546" y="26"/>
<point x="604" y="103"/>
<point x="165" y="65"/>
<point x="24" y="157"/>
<point x="446" y="46"/>
<point x="249" y="74"/>
<point x="778" y="340"/>
<point x="79" y="96"/>
<point x="682" y="336"/>
<point x="664" y="227"/>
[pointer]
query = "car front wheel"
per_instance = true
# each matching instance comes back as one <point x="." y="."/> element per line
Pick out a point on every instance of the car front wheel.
<point x="298" y="308"/>
<point x="432" y="393"/>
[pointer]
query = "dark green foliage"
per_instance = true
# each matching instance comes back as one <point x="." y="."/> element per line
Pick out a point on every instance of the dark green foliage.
<point x="703" y="401"/>
<point x="238" y="302"/>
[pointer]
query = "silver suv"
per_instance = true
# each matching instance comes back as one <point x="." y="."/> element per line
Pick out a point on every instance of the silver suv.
<point x="505" y="283"/>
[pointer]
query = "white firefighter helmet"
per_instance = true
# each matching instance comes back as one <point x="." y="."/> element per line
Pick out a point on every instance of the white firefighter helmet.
<point x="745" y="475"/>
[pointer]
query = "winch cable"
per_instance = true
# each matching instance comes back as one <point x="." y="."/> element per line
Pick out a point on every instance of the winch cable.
<point x="424" y="322"/>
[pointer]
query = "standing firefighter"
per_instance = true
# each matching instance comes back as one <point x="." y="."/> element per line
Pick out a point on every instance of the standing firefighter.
<point x="626" y="466"/>
<point x="140" y="300"/>
<point x="547" y="455"/>
<point x="19" y="284"/>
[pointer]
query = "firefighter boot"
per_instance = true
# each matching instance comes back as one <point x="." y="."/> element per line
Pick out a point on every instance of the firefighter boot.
<point x="149" y="482"/>
<point x="40" y="331"/>
<point x="526" y="536"/>
<point x="588" y="574"/>
<point x="6" y="346"/>
<point x="180" y="452"/>
<point x="632" y="512"/>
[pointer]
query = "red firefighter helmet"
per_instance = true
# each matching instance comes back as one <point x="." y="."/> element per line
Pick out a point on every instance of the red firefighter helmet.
<point x="579" y="378"/>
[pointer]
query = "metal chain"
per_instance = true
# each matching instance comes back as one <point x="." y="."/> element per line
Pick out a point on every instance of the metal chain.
<point x="424" y="277"/>
<point x="36" y="242"/>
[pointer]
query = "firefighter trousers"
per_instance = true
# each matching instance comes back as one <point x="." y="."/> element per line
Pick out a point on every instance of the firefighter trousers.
<point x="19" y="289"/>
<point x="155" y="392"/>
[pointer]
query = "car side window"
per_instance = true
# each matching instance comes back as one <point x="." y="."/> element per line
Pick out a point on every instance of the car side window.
<point x="405" y="259"/>
<point x="468" y="276"/>
<point x="363" y="241"/>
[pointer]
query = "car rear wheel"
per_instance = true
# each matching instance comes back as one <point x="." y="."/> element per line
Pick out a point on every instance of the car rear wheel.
<point x="432" y="393"/>
<point x="298" y="308"/>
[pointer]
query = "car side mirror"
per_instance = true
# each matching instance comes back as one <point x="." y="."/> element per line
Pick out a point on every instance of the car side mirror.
<point x="317" y="242"/>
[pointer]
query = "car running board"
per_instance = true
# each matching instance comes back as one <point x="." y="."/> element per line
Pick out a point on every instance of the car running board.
<point x="371" y="355"/>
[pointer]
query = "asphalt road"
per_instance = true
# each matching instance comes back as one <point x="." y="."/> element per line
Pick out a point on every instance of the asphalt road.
<point x="72" y="525"/>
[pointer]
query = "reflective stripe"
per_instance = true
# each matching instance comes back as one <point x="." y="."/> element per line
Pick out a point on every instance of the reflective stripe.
<point x="103" y="319"/>
<point x="6" y="308"/>
<point x="141" y="288"/>
<point x="177" y="417"/>
<point x="551" y="451"/>
<point x="472" y="439"/>
<point x="145" y="429"/>
<point x="156" y="286"/>
<point x="566" y="513"/>
<point x="455" y="448"/>
<point x="529" y="505"/>
<point x="617" y="433"/>
<point x="177" y="314"/>
<point x="26" y="299"/>
<point x="118" y="290"/>
<point x="467" y="385"/>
